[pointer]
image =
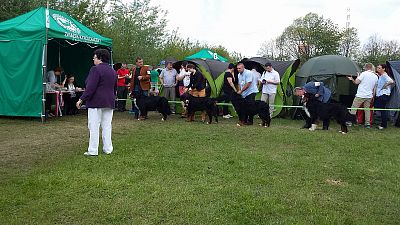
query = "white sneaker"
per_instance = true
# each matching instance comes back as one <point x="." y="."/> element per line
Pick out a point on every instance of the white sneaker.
<point x="88" y="154"/>
<point x="380" y="128"/>
<point x="226" y="116"/>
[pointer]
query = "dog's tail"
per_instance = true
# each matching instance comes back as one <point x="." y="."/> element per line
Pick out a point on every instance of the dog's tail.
<point x="350" y="118"/>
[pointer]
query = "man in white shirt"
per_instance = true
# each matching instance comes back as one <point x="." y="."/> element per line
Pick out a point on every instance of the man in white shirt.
<point x="270" y="80"/>
<point x="366" y="82"/>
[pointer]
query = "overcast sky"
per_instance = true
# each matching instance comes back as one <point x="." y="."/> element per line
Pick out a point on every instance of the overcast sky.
<point x="243" y="26"/>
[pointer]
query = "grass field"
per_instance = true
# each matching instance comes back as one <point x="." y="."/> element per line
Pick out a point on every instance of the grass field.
<point x="175" y="172"/>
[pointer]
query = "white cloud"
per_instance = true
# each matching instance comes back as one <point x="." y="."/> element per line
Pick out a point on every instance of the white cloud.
<point x="244" y="26"/>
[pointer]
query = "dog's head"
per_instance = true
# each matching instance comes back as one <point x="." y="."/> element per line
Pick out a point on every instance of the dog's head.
<point x="186" y="103"/>
<point x="136" y="94"/>
<point x="308" y="97"/>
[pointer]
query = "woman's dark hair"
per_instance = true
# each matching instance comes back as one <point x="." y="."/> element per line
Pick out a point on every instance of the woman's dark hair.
<point x="231" y="66"/>
<point x="383" y="66"/>
<point x="103" y="55"/>
<point x="184" y="63"/>
<point x="191" y="66"/>
<point x="58" y="69"/>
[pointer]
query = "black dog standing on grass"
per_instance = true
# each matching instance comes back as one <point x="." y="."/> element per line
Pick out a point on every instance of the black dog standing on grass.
<point x="195" y="104"/>
<point x="325" y="111"/>
<point x="244" y="108"/>
<point x="151" y="103"/>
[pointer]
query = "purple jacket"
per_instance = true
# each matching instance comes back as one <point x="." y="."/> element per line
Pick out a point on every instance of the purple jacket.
<point x="101" y="86"/>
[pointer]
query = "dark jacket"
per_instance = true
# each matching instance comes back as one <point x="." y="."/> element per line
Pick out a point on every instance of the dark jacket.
<point x="197" y="81"/>
<point x="101" y="86"/>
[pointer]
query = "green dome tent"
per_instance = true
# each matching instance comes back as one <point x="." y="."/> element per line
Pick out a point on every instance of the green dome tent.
<point x="286" y="70"/>
<point x="211" y="69"/>
<point x="37" y="40"/>
<point x="333" y="71"/>
<point x="206" y="54"/>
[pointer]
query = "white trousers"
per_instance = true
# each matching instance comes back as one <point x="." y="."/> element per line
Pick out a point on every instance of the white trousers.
<point x="100" y="117"/>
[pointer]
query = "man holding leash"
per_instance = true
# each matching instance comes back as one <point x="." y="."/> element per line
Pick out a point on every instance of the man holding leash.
<point x="247" y="88"/>
<point x="318" y="89"/>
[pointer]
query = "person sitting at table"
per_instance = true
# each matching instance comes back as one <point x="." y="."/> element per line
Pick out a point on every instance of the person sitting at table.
<point x="70" y="99"/>
<point x="51" y="85"/>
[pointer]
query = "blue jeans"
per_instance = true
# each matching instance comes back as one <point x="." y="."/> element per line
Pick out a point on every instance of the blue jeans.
<point x="381" y="102"/>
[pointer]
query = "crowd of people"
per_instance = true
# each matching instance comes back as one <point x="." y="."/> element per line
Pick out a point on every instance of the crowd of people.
<point x="104" y="84"/>
<point x="190" y="80"/>
<point x="374" y="87"/>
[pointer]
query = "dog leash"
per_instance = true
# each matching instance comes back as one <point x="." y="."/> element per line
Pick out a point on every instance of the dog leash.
<point x="277" y="106"/>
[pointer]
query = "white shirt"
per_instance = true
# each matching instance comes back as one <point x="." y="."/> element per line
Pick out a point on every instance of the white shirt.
<point x="368" y="83"/>
<point x="71" y="87"/>
<point x="270" y="76"/>
<point x="186" y="77"/>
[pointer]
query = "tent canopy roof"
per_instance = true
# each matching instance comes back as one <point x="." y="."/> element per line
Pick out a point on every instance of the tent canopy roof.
<point x="206" y="54"/>
<point x="329" y="65"/>
<point x="32" y="26"/>
<point x="214" y="67"/>
<point x="279" y="66"/>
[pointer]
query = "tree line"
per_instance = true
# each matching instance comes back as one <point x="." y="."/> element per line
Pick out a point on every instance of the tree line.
<point x="139" y="30"/>
<point x="313" y="35"/>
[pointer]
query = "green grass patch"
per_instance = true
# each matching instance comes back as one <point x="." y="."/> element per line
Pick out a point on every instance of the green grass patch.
<point x="175" y="172"/>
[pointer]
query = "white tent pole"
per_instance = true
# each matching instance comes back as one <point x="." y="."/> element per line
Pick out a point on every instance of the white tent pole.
<point x="44" y="64"/>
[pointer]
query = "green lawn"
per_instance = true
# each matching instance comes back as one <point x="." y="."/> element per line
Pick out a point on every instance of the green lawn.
<point x="175" y="172"/>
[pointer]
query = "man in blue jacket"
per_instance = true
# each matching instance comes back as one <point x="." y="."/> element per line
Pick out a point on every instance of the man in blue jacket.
<point x="316" y="88"/>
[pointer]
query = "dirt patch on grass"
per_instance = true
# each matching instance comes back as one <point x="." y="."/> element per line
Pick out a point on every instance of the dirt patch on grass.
<point x="335" y="182"/>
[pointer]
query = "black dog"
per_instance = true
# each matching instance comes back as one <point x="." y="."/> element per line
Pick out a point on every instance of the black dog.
<point x="194" y="104"/>
<point x="151" y="103"/>
<point x="315" y="109"/>
<point x="245" y="108"/>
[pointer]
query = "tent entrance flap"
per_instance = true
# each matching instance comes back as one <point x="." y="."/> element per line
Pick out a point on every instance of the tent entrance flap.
<point x="20" y="78"/>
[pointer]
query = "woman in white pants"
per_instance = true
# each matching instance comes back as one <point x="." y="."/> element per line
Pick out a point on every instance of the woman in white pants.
<point x="99" y="95"/>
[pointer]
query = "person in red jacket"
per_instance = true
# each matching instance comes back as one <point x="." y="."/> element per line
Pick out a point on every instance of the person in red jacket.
<point x="122" y="92"/>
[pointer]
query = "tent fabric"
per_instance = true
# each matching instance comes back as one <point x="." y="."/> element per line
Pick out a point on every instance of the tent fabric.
<point x="329" y="65"/>
<point x="286" y="70"/>
<point x="206" y="54"/>
<point x="394" y="101"/>
<point x="22" y="44"/>
<point x="214" y="67"/>
<point x="333" y="71"/>
<point x="32" y="26"/>
<point x="211" y="69"/>
<point x="21" y="78"/>
<point x="279" y="66"/>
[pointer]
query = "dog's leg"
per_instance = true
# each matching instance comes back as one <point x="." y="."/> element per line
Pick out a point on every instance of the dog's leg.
<point x="325" y="124"/>
<point x="203" y="116"/>
<point x="313" y="127"/>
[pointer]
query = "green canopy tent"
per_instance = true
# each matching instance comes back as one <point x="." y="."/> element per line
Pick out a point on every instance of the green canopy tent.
<point x="286" y="70"/>
<point x="31" y="43"/>
<point x="333" y="71"/>
<point x="206" y="54"/>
